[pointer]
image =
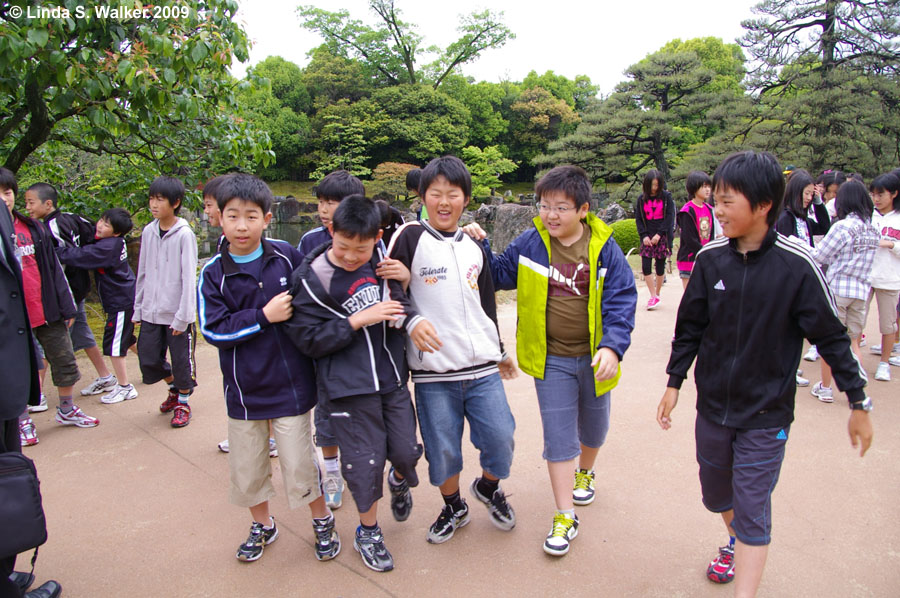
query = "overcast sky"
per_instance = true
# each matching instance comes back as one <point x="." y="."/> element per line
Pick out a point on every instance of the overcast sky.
<point x="597" y="38"/>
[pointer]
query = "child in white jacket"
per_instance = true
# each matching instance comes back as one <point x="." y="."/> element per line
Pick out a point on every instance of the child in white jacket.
<point x="885" y="277"/>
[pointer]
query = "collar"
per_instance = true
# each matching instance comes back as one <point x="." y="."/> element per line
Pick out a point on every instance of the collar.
<point x="767" y="244"/>
<point x="230" y="267"/>
<point x="457" y="237"/>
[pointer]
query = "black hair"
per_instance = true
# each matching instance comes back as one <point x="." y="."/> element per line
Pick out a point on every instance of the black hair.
<point x="695" y="180"/>
<point x="831" y="177"/>
<point x="170" y="188"/>
<point x="357" y="217"/>
<point x="755" y="175"/>
<point x="119" y="219"/>
<point x="853" y="198"/>
<point x="45" y="191"/>
<point x="245" y="187"/>
<point x="856" y="177"/>
<point x="213" y="185"/>
<point x="8" y="180"/>
<point x="793" y="192"/>
<point x="412" y="179"/>
<point x="649" y="177"/>
<point x="888" y="182"/>
<point x="571" y="180"/>
<point x="337" y="185"/>
<point x="384" y="212"/>
<point x="451" y="168"/>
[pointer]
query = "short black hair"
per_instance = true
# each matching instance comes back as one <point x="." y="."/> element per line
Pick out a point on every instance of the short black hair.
<point x="649" y="177"/>
<point x="8" y="180"/>
<point x="451" y="168"/>
<point x="213" y="184"/>
<point x="888" y="182"/>
<point x="793" y="192"/>
<point x="245" y="187"/>
<point x="119" y="219"/>
<point x="755" y="175"/>
<point x="170" y="188"/>
<point x="831" y="177"/>
<point x="694" y="181"/>
<point x="571" y="180"/>
<point x="357" y="217"/>
<point x="45" y="191"/>
<point x="412" y="179"/>
<point x="384" y="212"/>
<point x="337" y="185"/>
<point x="853" y="198"/>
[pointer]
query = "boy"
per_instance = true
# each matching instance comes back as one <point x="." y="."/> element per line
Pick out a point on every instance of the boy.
<point x="745" y="371"/>
<point x="164" y="301"/>
<point x="340" y="321"/>
<point x="575" y="314"/>
<point x="243" y="297"/>
<point x="108" y="257"/>
<point x="330" y="191"/>
<point x="71" y="230"/>
<point x="456" y="362"/>
<point x="51" y="310"/>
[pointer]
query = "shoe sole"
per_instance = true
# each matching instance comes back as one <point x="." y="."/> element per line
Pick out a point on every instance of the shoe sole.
<point x="122" y="400"/>
<point x="78" y="424"/>
<point x="367" y="564"/>
<point x="441" y="539"/>
<point x="257" y="557"/>
<point x="184" y="425"/>
<point x="37" y="408"/>
<point x="807" y="358"/>
<point x="332" y="504"/>
<point x="882" y="379"/>
<point x="556" y="552"/>
<point x="86" y="393"/>
<point x="581" y="502"/>
<point x="26" y="443"/>
<point x="803" y="384"/>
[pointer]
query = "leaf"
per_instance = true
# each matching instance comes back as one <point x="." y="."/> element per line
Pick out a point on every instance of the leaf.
<point x="199" y="52"/>
<point x="170" y="76"/>
<point x="111" y="104"/>
<point x="38" y="37"/>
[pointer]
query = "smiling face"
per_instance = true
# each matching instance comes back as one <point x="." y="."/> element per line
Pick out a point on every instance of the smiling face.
<point x="445" y="203"/>
<point x="35" y="207"/>
<point x="703" y="193"/>
<point x="740" y="220"/>
<point x="104" y="229"/>
<point x="560" y="217"/>
<point x="350" y="253"/>
<point x="211" y="209"/>
<point x="243" y="223"/>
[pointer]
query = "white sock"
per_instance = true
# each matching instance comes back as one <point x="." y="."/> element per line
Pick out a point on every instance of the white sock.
<point x="332" y="465"/>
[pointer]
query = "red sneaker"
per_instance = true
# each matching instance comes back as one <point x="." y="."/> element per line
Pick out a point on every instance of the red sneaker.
<point x="182" y="416"/>
<point x="171" y="401"/>
<point x="721" y="568"/>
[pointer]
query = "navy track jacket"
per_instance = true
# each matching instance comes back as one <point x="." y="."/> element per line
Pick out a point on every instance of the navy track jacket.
<point x="115" y="279"/>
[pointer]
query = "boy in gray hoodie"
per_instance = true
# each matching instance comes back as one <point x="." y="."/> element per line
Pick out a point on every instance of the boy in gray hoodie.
<point x="164" y="299"/>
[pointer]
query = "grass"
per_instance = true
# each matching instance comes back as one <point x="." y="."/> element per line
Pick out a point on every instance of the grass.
<point x="96" y="318"/>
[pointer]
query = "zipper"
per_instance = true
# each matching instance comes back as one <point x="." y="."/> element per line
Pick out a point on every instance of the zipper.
<point x="737" y="342"/>
<point x="462" y="296"/>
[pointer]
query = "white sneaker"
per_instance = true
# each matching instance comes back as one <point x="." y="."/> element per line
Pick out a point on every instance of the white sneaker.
<point x="895" y="360"/>
<point x="876" y="349"/>
<point x="223" y="446"/>
<point x="100" y="385"/>
<point x="333" y="487"/>
<point x="823" y="393"/>
<point x="119" y="394"/>
<point x="812" y="354"/>
<point x="273" y="450"/>
<point x="42" y="406"/>
<point x="883" y="373"/>
<point x="801" y="381"/>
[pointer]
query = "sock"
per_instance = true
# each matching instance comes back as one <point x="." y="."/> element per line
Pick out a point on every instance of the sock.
<point x="24" y="417"/>
<point x="731" y="541"/>
<point x="368" y="528"/>
<point x="183" y="398"/>
<point x="487" y="487"/>
<point x="65" y="404"/>
<point x="332" y="465"/>
<point x="271" y="521"/>
<point x="453" y="500"/>
<point x="570" y="513"/>
<point x="106" y="377"/>
<point x="392" y="478"/>
<point x="324" y="520"/>
<point x="125" y="386"/>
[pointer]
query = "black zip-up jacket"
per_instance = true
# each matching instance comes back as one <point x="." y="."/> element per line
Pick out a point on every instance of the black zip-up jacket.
<point x="647" y="228"/>
<point x="56" y="296"/>
<point x="787" y="223"/>
<point x="320" y="327"/>
<point x="115" y="279"/>
<point x="744" y="317"/>
<point x="73" y="230"/>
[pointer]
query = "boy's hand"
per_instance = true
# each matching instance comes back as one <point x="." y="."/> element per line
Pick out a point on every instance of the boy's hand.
<point x="666" y="404"/>
<point x="176" y="332"/>
<point x="279" y="308"/>
<point x="508" y="369"/>
<point x="885" y="244"/>
<point x="606" y="364"/>
<point x="69" y="322"/>
<point x="425" y="337"/>
<point x="860" y="428"/>
<point x="475" y="231"/>
<point x="391" y="269"/>
<point x="381" y="311"/>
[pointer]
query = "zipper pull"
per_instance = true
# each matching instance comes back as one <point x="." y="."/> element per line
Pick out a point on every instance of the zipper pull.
<point x="260" y="284"/>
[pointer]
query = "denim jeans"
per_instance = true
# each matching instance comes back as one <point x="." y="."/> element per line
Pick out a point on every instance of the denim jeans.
<point x="441" y="407"/>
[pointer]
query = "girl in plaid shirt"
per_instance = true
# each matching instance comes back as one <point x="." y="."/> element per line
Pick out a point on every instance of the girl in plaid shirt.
<point x="848" y="250"/>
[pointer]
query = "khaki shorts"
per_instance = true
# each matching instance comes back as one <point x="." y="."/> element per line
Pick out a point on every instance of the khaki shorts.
<point x="852" y="313"/>
<point x="887" y="309"/>
<point x="248" y="460"/>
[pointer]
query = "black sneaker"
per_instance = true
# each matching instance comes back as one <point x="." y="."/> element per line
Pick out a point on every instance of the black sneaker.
<point x="401" y="498"/>
<point x="502" y="515"/>
<point x="259" y="537"/>
<point x="447" y="523"/>
<point x="328" y="544"/>
<point x="370" y="546"/>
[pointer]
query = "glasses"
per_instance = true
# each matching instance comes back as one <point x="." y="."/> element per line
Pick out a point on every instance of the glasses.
<point x="559" y="210"/>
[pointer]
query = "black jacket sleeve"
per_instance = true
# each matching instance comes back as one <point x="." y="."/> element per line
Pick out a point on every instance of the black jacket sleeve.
<point x="691" y="323"/>
<point x="670" y="219"/>
<point x="639" y="218"/>
<point x="314" y="329"/>
<point x="822" y="223"/>
<point x="690" y="237"/>
<point x="786" y="224"/>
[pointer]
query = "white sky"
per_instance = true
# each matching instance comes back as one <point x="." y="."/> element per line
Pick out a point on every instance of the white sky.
<point x="597" y="38"/>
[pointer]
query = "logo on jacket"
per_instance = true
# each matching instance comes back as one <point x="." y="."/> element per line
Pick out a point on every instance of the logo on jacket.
<point x="720" y="286"/>
<point x="283" y="281"/>
<point x="431" y="276"/>
<point x="472" y="276"/>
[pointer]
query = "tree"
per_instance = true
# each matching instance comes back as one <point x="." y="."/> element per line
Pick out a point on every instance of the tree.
<point x="390" y="177"/>
<point x="286" y="81"/>
<point x="329" y="77"/>
<point x="392" y="48"/>
<point x="485" y="104"/>
<point x="343" y="142"/>
<point x="576" y="93"/>
<point x="486" y="167"/>
<point x="538" y="118"/>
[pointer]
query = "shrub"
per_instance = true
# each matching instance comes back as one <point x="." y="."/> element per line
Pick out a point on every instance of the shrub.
<point x="626" y="235"/>
<point x="390" y="177"/>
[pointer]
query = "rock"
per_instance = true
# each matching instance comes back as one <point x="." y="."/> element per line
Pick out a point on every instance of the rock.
<point x="507" y="194"/>
<point x="496" y="201"/>
<point x="614" y="213"/>
<point x="508" y="222"/>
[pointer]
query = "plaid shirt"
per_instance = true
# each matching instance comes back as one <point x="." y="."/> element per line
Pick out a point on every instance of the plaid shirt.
<point x="848" y="250"/>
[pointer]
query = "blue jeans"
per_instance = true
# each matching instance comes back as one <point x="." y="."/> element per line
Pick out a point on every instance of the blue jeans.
<point x="441" y="407"/>
<point x="571" y="413"/>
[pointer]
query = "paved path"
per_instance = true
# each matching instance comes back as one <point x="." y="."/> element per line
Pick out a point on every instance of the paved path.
<point x="136" y="508"/>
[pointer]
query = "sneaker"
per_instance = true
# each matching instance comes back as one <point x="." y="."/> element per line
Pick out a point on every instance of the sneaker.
<point x="563" y="530"/>
<point x="801" y="381"/>
<point x="876" y="349"/>
<point x="258" y="539"/>
<point x="812" y="354"/>
<point x="223" y="446"/>
<point x="100" y="385"/>
<point x="333" y="487"/>
<point x="583" y="493"/>
<point x="883" y="373"/>
<point x="447" y="523"/>
<point x="181" y="416"/>
<point x="40" y="407"/>
<point x="328" y="544"/>
<point x="273" y="450"/>
<point x="862" y="340"/>
<point x="370" y="546"/>
<point x="76" y="417"/>
<point x="27" y="433"/>
<point x="119" y="394"/>
<point x="502" y="515"/>
<point x="895" y="360"/>
<point x="401" y="498"/>
<point x="171" y="401"/>
<point x="721" y="568"/>
<point x="823" y="393"/>
<point x="652" y="303"/>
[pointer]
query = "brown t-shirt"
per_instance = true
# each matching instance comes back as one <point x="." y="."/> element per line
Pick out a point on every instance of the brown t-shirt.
<point x="567" y="298"/>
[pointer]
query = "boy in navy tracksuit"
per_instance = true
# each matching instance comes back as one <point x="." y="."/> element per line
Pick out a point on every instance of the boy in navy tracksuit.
<point x="108" y="257"/>
<point x="340" y="319"/>
<point x="243" y="298"/>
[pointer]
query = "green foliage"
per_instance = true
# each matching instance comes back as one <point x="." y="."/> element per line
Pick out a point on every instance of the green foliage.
<point x="576" y="94"/>
<point x="626" y="235"/>
<point x="486" y="167"/>
<point x="391" y="177"/>
<point x="538" y="118"/>
<point x="726" y="61"/>
<point x="330" y="77"/>
<point x="484" y="101"/>
<point x="286" y="81"/>
<point x="343" y="138"/>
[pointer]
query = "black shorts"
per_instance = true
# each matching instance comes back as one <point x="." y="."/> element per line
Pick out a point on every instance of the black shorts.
<point x="154" y="342"/>
<point x="118" y="334"/>
<point x="738" y="470"/>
